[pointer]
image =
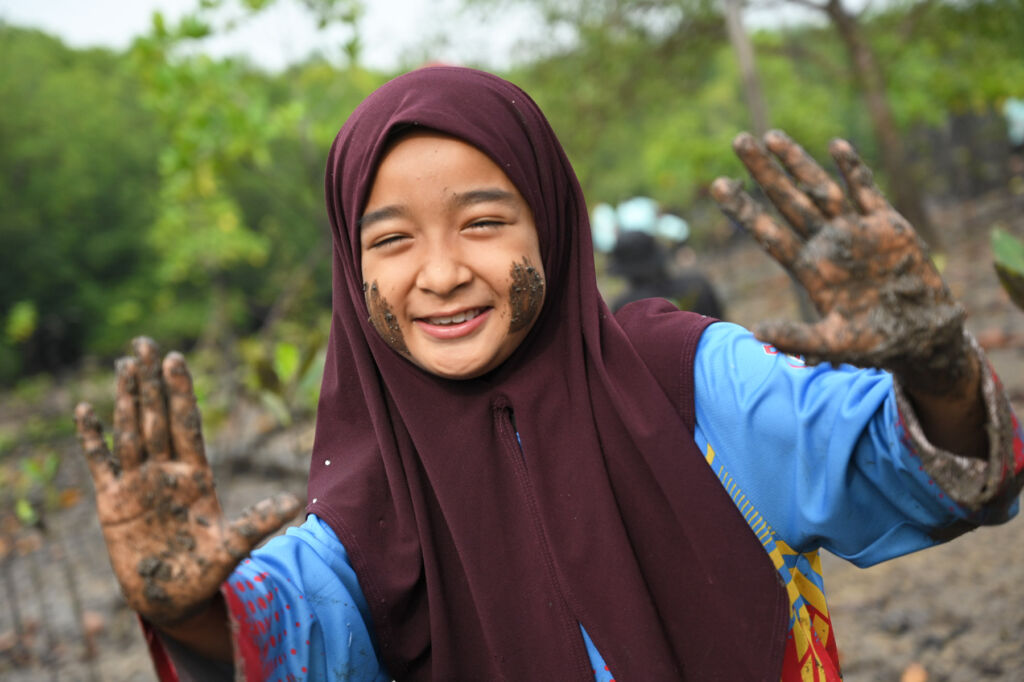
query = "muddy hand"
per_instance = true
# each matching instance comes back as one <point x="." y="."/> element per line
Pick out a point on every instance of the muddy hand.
<point x="881" y="300"/>
<point x="169" y="543"/>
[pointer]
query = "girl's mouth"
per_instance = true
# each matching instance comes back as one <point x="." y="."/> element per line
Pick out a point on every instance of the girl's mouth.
<point x="457" y="318"/>
<point x="453" y="326"/>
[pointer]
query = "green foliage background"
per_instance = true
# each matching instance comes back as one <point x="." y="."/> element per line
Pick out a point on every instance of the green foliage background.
<point x="160" y="191"/>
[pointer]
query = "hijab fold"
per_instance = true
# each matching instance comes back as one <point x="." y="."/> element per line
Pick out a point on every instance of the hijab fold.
<point x="487" y="519"/>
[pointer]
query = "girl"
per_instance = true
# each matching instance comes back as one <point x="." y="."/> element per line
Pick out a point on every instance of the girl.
<point x="510" y="483"/>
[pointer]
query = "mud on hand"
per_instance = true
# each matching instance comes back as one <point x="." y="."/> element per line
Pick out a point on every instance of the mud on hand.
<point x="881" y="300"/>
<point x="169" y="543"/>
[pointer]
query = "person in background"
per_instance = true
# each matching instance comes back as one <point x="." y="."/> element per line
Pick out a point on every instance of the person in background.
<point x="634" y="234"/>
<point x="646" y="266"/>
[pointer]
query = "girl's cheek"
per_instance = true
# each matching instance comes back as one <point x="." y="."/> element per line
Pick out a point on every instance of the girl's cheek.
<point x="383" y="320"/>
<point x="525" y="294"/>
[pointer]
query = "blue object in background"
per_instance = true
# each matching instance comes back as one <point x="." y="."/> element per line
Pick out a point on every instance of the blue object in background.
<point x="639" y="214"/>
<point x="604" y="227"/>
<point x="1013" y="110"/>
<point x="672" y="227"/>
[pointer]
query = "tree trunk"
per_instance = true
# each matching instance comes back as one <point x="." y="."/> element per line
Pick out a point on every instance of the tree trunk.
<point x="906" y="196"/>
<point x="745" y="56"/>
<point x="744" y="50"/>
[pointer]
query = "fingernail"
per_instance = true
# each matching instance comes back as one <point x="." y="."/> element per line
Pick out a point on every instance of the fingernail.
<point x="125" y="369"/>
<point x="776" y="137"/>
<point x="723" y="188"/>
<point x="174" y="363"/>
<point x="840" y="147"/>
<point x="728" y="194"/>
<point x="286" y="504"/>
<point x="744" y="142"/>
<point x="82" y="411"/>
<point x="283" y="499"/>
<point x="144" y="347"/>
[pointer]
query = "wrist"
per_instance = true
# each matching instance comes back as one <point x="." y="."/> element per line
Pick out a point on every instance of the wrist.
<point x="966" y="446"/>
<point x="950" y="371"/>
<point x="205" y="630"/>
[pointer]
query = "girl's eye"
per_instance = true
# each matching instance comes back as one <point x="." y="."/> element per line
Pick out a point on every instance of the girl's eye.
<point x="388" y="241"/>
<point x="486" y="224"/>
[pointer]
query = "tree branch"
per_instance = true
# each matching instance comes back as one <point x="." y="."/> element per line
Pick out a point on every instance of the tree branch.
<point x="913" y="17"/>
<point x="811" y="5"/>
<point x="863" y="10"/>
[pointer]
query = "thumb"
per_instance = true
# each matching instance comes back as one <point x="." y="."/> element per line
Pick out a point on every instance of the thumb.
<point x="260" y="520"/>
<point x="813" y="341"/>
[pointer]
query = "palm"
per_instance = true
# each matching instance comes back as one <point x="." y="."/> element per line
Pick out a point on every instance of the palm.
<point x="169" y="544"/>
<point x="883" y="304"/>
<point x="147" y="495"/>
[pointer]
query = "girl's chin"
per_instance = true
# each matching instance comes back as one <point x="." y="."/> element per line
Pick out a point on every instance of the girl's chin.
<point x="455" y="368"/>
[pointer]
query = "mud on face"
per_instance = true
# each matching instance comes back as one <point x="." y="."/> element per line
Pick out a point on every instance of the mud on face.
<point x="383" y="320"/>
<point x="526" y="295"/>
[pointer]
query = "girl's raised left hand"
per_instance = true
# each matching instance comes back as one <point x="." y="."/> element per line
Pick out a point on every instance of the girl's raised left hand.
<point x="882" y="301"/>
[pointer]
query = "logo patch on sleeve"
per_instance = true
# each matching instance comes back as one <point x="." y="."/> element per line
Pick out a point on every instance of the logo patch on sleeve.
<point x="796" y="361"/>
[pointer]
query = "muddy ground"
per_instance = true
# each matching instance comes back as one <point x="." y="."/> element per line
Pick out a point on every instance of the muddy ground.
<point x="949" y="614"/>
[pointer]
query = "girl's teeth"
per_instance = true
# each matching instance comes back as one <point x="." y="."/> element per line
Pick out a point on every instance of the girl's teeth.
<point x="454" y="319"/>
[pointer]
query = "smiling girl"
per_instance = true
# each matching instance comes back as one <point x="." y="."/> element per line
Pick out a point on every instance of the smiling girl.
<point x="509" y="482"/>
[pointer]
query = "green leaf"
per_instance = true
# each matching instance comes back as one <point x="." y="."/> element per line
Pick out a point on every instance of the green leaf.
<point x="1008" y="252"/>
<point x="194" y="28"/>
<point x="25" y="513"/>
<point x="286" y="361"/>
<point x="159" y="25"/>
<point x="21" y="321"/>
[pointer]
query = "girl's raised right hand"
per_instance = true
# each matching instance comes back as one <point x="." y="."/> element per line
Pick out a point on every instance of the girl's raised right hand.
<point x="169" y="543"/>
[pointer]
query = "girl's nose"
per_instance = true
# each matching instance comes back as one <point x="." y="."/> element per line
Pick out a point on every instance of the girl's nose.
<point x="442" y="271"/>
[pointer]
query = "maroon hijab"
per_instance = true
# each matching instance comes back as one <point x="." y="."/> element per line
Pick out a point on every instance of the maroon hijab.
<point x="480" y="558"/>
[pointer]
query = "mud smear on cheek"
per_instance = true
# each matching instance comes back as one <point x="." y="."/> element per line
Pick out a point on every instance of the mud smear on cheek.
<point x="525" y="295"/>
<point x="383" y="320"/>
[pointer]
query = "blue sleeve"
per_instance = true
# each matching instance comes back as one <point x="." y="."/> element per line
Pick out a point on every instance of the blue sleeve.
<point x="299" y="611"/>
<point x="818" y="452"/>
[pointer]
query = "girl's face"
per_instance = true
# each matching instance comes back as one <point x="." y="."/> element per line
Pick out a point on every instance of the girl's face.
<point x="451" y="259"/>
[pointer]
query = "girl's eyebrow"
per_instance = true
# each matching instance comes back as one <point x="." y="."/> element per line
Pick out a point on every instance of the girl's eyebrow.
<point x="459" y="200"/>
<point x="378" y="215"/>
<point x="478" y="196"/>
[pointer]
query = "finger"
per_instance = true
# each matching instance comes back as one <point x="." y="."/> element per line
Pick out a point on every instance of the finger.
<point x="794" y="338"/>
<point x="152" y="402"/>
<point x="261" y="520"/>
<point x="778" y="241"/>
<point x="127" y="437"/>
<point x="186" y="427"/>
<point x="793" y="204"/>
<point x="824" y="340"/>
<point x="817" y="184"/>
<point x="102" y="465"/>
<point x="859" y="180"/>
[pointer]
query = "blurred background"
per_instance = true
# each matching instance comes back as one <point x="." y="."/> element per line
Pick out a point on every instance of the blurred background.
<point x="161" y="168"/>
